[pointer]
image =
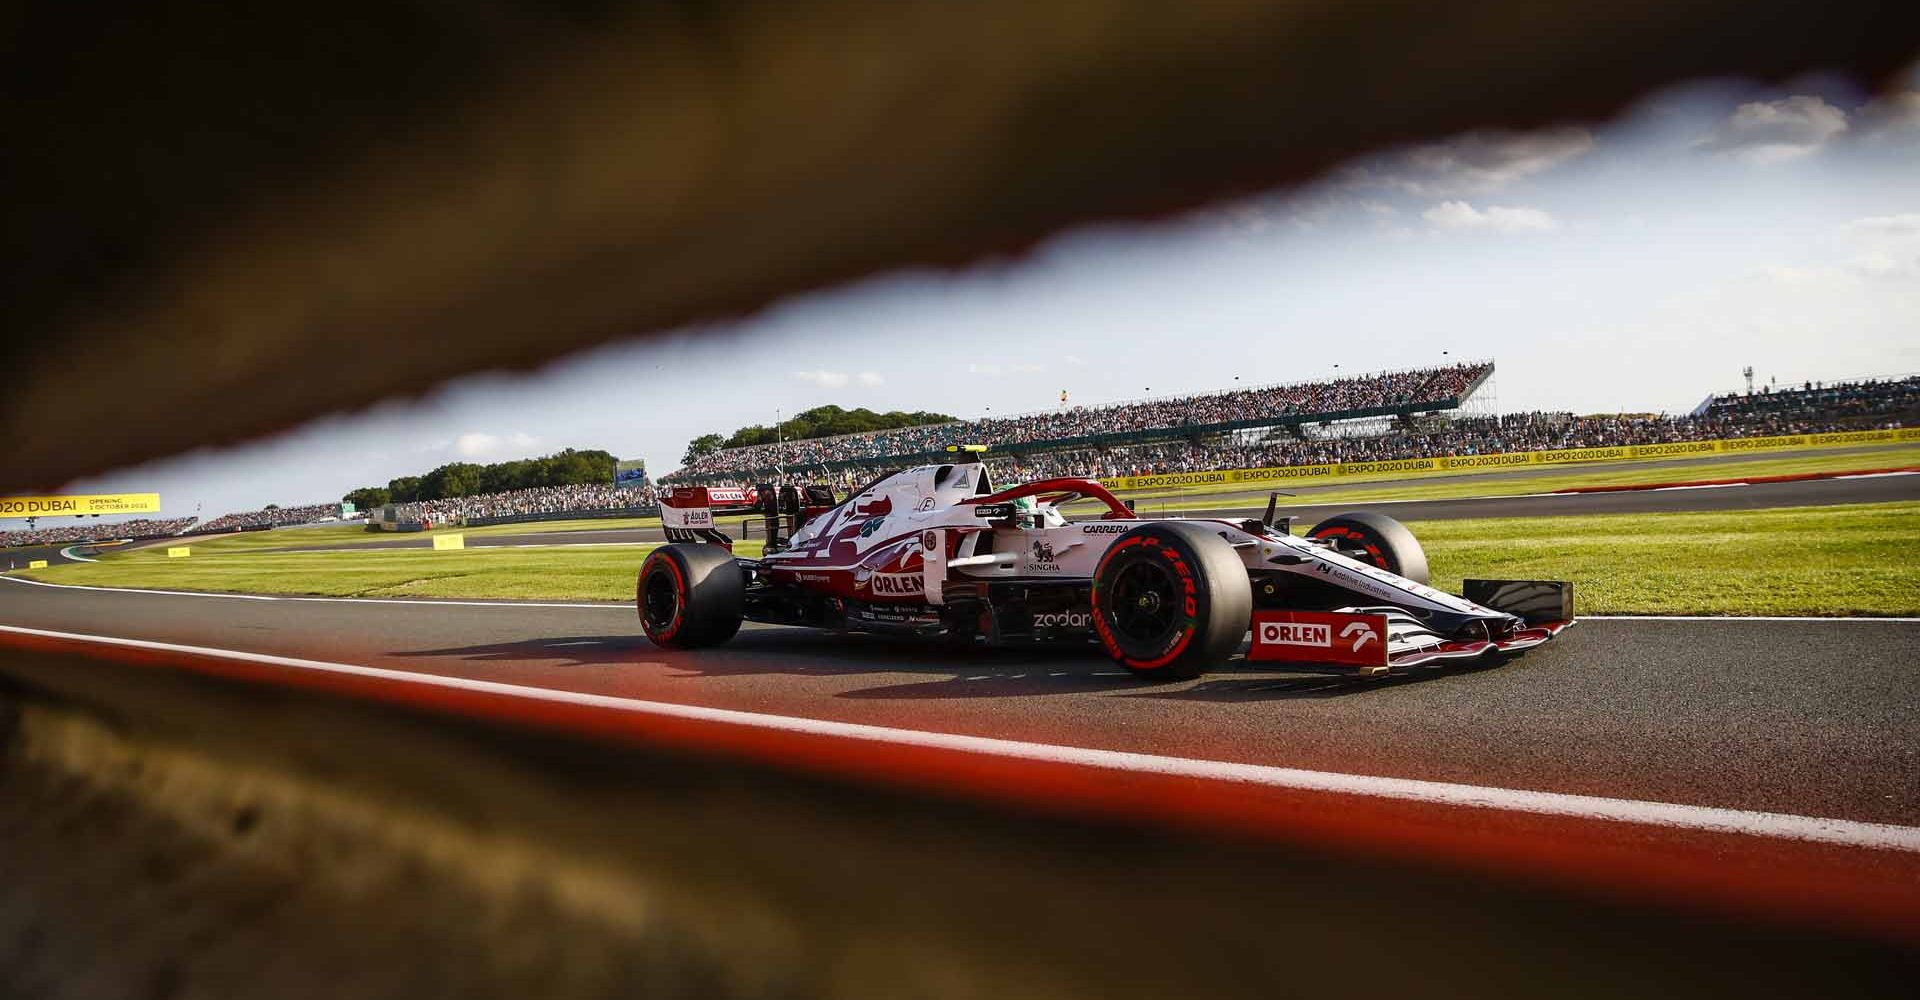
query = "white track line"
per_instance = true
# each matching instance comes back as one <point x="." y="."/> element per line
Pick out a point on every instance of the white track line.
<point x="68" y="553"/>
<point x="1777" y="826"/>
<point x="418" y="602"/>
<point x="407" y="548"/>
<point x="431" y="602"/>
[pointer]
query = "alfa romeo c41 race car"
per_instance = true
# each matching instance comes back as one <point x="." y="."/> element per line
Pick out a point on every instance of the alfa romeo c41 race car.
<point x="937" y="551"/>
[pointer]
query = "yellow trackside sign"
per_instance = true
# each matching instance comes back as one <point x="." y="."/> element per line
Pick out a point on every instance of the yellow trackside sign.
<point x="84" y="503"/>
<point x="444" y="542"/>
<point x="37" y="564"/>
<point x="179" y="553"/>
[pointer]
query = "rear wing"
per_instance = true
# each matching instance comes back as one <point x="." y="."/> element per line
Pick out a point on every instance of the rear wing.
<point x="687" y="512"/>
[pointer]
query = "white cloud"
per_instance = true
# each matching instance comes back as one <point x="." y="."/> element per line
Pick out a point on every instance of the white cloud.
<point x="1874" y="248"/>
<point x="870" y="378"/>
<point x="1889" y="246"/>
<point x="1476" y="163"/>
<point x="475" y="443"/>
<point x="1904" y="224"/>
<point x="1073" y="359"/>
<point x="479" y="444"/>
<point x="1496" y="218"/>
<point x="823" y="378"/>
<point x="1801" y="277"/>
<point x="1763" y="132"/>
<point x="993" y="370"/>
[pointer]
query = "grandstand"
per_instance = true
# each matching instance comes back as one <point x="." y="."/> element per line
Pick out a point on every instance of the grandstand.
<point x="1384" y="416"/>
<point x="1378" y="417"/>
<point x="1864" y="400"/>
<point x="533" y="503"/>
<point x="270" y="517"/>
<point x="96" y="531"/>
<point x="1230" y="412"/>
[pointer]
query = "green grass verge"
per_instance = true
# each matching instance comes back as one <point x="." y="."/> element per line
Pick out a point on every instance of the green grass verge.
<point x="236" y="565"/>
<point x="343" y="535"/>
<point x="1848" y="560"/>
<point x="1845" y="560"/>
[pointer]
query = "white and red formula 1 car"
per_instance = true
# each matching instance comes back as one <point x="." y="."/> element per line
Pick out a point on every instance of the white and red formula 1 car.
<point x="936" y="551"/>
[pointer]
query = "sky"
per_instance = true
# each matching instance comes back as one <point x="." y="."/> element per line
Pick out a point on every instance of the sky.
<point x="1635" y="266"/>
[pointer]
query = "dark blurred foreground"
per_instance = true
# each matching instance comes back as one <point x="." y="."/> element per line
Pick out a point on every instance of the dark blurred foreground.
<point x="169" y="834"/>
<point x="225" y="219"/>
<point x="228" y="219"/>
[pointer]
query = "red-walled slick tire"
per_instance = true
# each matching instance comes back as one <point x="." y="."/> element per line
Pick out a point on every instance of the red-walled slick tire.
<point x="1376" y="539"/>
<point x="1171" y="600"/>
<point x="690" y="596"/>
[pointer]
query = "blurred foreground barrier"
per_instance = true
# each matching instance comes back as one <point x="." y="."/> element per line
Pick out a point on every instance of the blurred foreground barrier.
<point x="471" y="187"/>
<point x="175" y="827"/>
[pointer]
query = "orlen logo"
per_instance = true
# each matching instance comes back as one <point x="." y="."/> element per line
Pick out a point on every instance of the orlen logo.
<point x="1294" y="634"/>
<point x="897" y="584"/>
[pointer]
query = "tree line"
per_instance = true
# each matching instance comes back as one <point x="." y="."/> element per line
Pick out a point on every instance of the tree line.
<point x="821" y="421"/>
<point x="461" y="479"/>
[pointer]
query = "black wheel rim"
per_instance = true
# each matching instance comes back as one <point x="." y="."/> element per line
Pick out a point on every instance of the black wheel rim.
<point x="1144" y="601"/>
<point x="1356" y="548"/>
<point x="660" y="601"/>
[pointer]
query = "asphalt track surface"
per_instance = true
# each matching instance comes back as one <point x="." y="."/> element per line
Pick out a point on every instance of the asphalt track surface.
<point x="1758" y="496"/>
<point x="1813" y="718"/>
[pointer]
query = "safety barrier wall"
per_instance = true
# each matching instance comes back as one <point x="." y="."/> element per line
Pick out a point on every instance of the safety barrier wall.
<point x="1611" y="453"/>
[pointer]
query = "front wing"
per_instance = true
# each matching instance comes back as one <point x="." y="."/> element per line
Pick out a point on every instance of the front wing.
<point x="1379" y="640"/>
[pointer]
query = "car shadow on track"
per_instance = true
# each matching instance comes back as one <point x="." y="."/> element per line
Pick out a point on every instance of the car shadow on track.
<point x="976" y="672"/>
<point x="1217" y="688"/>
<point x="944" y="671"/>
<point x="553" y="651"/>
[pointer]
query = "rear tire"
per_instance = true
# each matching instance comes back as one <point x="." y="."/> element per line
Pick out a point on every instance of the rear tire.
<point x="1171" y="600"/>
<point x="1378" y="540"/>
<point x="690" y="596"/>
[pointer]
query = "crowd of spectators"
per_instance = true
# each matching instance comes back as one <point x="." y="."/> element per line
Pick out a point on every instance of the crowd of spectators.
<point x="1866" y="399"/>
<point x="854" y="459"/>
<point x="1294" y="403"/>
<point x="1464" y="436"/>
<point x="97" y="531"/>
<point x="580" y="497"/>
<point x="1811" y="408"/>
<point x="271" y="517"/>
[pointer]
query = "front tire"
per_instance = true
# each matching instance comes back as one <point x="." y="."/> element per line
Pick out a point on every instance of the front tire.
<point x="690" y="596"/>
<point x="1378" y="540"/>
<point x="1171" y="600"/>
